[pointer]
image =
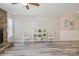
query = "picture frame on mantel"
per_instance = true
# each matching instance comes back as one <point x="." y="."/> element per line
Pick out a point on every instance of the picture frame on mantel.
<point x="69" y="23"/>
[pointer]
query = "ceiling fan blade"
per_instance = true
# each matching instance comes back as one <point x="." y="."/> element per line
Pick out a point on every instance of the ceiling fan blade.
<point x="27" y="7"/>
<point x="35" y="4"/>
<point x="14" y="3"/>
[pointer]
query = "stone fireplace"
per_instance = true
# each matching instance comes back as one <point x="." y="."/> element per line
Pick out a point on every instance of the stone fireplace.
<point x="3" y="26"/>
<point x="4" y="43"/>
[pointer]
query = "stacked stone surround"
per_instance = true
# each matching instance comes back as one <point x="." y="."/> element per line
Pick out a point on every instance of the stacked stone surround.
<point x="3" y="23"/>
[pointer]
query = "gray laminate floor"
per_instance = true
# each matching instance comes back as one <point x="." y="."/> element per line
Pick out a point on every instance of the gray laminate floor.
<point x="39" y="49"/>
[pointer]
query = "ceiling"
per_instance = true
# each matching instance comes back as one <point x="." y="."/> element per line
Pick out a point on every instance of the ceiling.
<point x="43" y="9"/>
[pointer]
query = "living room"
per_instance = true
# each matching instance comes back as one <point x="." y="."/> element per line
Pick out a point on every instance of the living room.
<point x="46" y="24"/>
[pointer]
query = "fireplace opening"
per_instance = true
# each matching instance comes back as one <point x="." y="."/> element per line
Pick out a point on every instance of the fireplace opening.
<point x="1" y="36"/>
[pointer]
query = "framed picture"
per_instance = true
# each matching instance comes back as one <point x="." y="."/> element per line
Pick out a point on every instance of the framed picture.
<point x="69" y="23"/>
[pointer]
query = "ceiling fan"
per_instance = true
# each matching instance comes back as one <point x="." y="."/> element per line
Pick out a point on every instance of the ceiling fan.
<point x="27" y="4"/>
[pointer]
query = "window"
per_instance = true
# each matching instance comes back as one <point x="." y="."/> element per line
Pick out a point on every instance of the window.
<point x="10" y="27"/>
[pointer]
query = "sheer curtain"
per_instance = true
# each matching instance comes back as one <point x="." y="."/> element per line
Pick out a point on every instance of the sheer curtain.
<point x="10" y="29"/>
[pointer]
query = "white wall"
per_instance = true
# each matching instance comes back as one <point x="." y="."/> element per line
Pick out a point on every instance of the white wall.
<point x="68" y="35"/>
<point x="27" y="23"/>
